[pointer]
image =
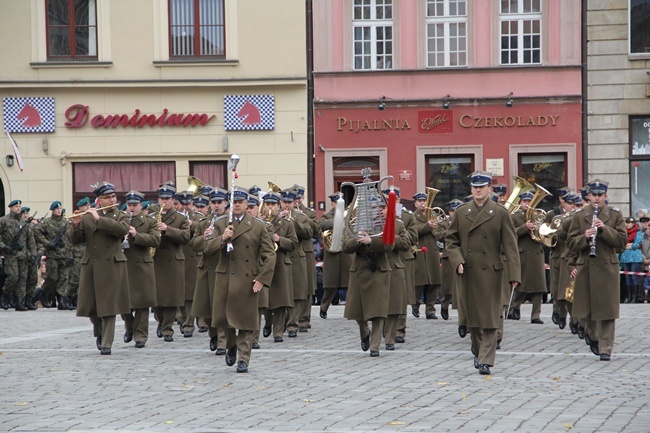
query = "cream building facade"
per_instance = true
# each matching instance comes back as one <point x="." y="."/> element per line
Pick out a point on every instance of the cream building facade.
<point x="618" y="91"/>
<point x="130" y="55"/>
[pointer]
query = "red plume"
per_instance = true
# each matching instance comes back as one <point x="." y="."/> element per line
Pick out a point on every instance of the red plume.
<point x="388" y="237"/>
<point x="423" y="249"/>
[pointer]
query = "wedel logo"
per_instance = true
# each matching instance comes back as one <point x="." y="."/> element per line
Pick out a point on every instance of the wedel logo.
<point x="435" y="121"/>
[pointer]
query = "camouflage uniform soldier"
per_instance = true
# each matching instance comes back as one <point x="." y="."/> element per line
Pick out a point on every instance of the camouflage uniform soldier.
<point x="52" y="237"/>
<point x="32" y="265"/>
<point x="18" y="246"/>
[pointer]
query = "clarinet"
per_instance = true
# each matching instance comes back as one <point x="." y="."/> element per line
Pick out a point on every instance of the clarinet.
<point x="125" y="242"/>
<point x="592" y="242"/>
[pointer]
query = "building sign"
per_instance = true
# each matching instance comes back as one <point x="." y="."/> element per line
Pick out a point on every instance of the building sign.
<point x="249" y="112"/>
<point x="640" y="135"/>
<point x="361" y="125"/>
<point x="495" y="166"/>
<point x="405" y="175"/>
<point x="29" y="114"/>
<point x="77" y="117"/>
<point x="469" y="121"/>
<point x="435" y="121"/>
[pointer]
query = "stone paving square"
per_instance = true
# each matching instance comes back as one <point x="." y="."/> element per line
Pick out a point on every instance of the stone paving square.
<point x="544" y="380"/>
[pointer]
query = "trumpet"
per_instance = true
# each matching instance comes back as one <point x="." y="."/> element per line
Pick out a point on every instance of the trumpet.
<point x="87" y="211"/>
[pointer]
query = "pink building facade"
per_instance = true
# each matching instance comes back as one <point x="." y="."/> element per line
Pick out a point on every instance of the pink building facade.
<point x="430" y="90"/>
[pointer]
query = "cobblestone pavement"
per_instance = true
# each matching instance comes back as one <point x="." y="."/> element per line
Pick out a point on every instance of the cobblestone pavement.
<point x="545" y="380"/>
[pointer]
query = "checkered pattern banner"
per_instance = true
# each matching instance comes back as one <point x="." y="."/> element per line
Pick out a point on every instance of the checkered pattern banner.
<point x="247" y="112"/>
<point x="29" y="114"/>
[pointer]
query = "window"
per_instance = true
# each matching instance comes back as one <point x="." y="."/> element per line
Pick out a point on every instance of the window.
<point x="639" y="26"/>
<point x="373" y="34"/>
<point x="213" y="173"/>
<point x="197" y="29"/>
<point x="521" y="32"/>
<point x="449" y="174"/>
<point x="446" y="33"/>
<point x="549" y="170"/>
<point x="639" y="133"/>
<point x="71" y="29"/>
<point x="125" y="176"/>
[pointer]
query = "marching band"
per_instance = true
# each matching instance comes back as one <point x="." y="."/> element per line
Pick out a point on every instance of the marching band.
<point x="240" y="261"/>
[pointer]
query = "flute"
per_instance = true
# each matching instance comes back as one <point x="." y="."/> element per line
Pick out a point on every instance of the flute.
<point x="592" y="242"/>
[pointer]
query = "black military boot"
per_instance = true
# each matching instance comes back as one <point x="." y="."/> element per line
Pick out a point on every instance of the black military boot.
<point x="62" y="303"/>
<point x="20" y="305"/>
<point x="12" y="301"/>
<point x="29" y="304"/>
<point x="46" y="299"/>
<point x="4" y="302"/>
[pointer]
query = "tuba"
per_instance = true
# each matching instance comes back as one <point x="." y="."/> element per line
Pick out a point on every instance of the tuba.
<point x="364" y="213"/>
<point x="538" y="216"/>
<point x="194" y="185"/>
<point x="521" y="185"/>
<point x="433" y="213"/>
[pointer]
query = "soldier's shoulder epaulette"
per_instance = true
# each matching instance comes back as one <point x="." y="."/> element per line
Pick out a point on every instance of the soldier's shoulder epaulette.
<point x="408" y="211"/>
<point x="579" y="210"/>
<point x="259" y="219"/>
<point x="124" y="212"/>
<point x="203" y="219"/>
<point x="616" y="209"/>
<point x="221" y="217"/>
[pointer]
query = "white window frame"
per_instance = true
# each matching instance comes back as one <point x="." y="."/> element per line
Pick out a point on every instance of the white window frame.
<point x="520" y="17"/>
<point x="374" y="24"/>
<point x="447" y="20"/>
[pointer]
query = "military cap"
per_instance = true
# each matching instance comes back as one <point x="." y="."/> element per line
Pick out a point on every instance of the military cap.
<point x="145" y="204"/>
<point x="395" y="189"/>
<point x="13" y="203"/>
<point x="218" y="194"/>
<point x="254" y="190"/>
<point x="83" y="202"/>
<point x="298" y="190"/>
<point x="288" y="195"/>
<point x="454" y="204"/>
<point x="201" y="201"/>
<point x="584" y="191"/>
<point x="168" y="183"/>
<point x="571" y="198"/>
<point x="578" y="201"/>
<point x="166" y="191"/>
<point x="123" y="207"/>
<point x="206" y="190"/>
<point x="526" y="196"/>
<point x="104" y="188"/>
<point x="253" y="200"/>
<point x="240" y="193"/>
<point x="420" y="196"/>
<point x="185" y="197"/>
<point x="500" y="189"/>
<point x="335" y="196"/>
<point x="55" y="204"/>
<point x="480" y="178"/>
<point x="134" y="197"/>
<point x="598" y="186"/>
<point x="561" y="192"/>
<point x="271" y="197"/>
<point x="25" y="209"/>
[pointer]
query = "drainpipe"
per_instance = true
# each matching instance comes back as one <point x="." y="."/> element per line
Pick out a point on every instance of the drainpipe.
<point x="585" y="105"/>
<point x="311" y="176"/>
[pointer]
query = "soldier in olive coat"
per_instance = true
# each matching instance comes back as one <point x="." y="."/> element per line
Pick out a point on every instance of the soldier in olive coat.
<point x="310" y="258"/>
<point x="192" y="259"/>
<point x="336" y="265"/>
<point x="104" y="282"/>
<point x="531" y="259"/>
<point x="169" y="262"/>
<point x="281" y="287"/>
<point x="369" y="287"/>
<point x="143" y="235"/>
<point x="480" y="232"/>
<point x="397" y="296"/>
<point x="596" y="292"/>
<point x="408" y="258"/>
<point x="298" y="261"/>
<point x="206" y="276"/>
<point x="246" y="264"/>
<point x="448" y="286"/>
<point x="428" y="276"/>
